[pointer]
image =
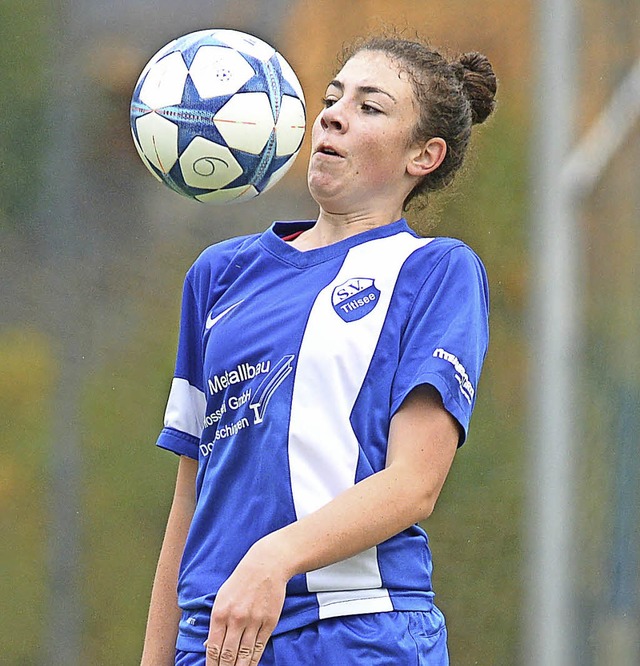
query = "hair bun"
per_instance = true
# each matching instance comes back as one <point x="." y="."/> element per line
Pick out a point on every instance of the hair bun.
<point x="479" y="83"/>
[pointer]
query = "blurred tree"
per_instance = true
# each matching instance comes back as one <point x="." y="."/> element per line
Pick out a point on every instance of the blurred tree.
<point x="28" y="375"/>
<point x="23" y="50"/>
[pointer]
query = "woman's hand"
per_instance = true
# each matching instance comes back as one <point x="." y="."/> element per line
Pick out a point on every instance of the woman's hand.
<point x="247" y="609"/>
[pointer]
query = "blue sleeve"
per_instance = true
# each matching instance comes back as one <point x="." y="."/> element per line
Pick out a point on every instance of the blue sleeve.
<point x="186" y="406"/>
<point x="445" y="341"/>
<point x="192" y="316"/>
<point x="206" y="280"/>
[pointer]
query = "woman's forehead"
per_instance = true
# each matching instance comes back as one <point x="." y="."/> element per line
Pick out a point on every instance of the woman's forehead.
<point x="373" y="69"/>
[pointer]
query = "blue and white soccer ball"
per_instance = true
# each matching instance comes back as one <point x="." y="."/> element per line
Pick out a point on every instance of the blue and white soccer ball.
<point x="218" y="116"/>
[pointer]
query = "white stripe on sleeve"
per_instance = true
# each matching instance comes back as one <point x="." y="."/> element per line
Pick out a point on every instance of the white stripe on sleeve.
<point x="185" y="408"/>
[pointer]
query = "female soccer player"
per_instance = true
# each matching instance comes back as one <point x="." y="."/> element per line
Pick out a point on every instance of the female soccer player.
<point x="326" y="374"/>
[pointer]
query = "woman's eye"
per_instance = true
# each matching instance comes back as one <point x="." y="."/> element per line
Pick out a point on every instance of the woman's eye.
<point x="328" y="101"/>
<point x="367" y="108"/>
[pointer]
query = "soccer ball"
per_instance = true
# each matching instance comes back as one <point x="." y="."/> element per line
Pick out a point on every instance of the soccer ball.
<point x="218" y="116"/>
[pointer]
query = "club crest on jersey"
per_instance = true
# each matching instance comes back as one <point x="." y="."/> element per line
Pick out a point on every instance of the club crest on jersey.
<point x="355" y="298"/>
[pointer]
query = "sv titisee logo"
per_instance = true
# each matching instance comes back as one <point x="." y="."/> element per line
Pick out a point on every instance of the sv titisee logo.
<point x="355" y="298"/>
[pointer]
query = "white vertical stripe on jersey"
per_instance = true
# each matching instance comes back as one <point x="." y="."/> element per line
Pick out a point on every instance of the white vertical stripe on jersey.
<point x="323" y="450"/>
<point x="186" y="408"/>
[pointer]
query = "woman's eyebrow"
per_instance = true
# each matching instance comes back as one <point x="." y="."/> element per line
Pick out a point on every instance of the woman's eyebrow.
<point x="362" y="89"/>
<point x="374" y="89"/>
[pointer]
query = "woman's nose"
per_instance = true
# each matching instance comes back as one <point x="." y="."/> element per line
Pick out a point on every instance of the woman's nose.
<point x="334" y="117"/>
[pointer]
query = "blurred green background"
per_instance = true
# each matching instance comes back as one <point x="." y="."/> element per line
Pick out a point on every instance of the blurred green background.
<point x="92" y="256"/>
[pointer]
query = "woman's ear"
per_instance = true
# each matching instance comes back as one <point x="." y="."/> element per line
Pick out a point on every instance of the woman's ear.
<point x="427" y="158"/>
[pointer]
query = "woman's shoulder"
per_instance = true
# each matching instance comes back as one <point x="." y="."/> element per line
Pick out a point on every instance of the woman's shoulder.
<point x="445" y="244"/>
<point x="213" y="264"/>
<point x="445" y="259"/>
<point x="224" y="249"/>
<point x="446" y="248"/>
<point x="217" y="256"/>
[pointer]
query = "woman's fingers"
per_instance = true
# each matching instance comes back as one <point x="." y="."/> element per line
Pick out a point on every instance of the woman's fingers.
<point x="231" y="651"/>
<point x="245" y="611"/>
<point x="260" y="645"/>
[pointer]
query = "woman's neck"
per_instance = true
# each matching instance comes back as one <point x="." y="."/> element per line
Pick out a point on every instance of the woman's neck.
<point x="331" y="228"/>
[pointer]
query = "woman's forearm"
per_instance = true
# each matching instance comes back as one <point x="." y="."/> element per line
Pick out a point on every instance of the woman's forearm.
<point x="164" y="613"/>
<point x="363" y="516"/>
<point x="423" y="442"/>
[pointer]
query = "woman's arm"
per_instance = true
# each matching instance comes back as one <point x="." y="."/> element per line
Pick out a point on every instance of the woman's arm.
<point x="423" y="439"/>
<point x="164" y="614"/>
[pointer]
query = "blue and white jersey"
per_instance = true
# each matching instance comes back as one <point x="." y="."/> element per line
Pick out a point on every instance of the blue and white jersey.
<point x="290" y="366"/>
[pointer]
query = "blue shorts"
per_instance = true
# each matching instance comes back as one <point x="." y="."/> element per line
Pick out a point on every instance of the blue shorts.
<point x="410" y="638"/>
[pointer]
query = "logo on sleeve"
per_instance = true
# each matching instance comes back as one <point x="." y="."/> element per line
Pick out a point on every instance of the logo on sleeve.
<point x="466" y="387"/>
<point x="355" y="298"/>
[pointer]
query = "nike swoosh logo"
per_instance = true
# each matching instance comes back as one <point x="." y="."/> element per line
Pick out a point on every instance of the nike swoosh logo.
<point x="214" y="320"/>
